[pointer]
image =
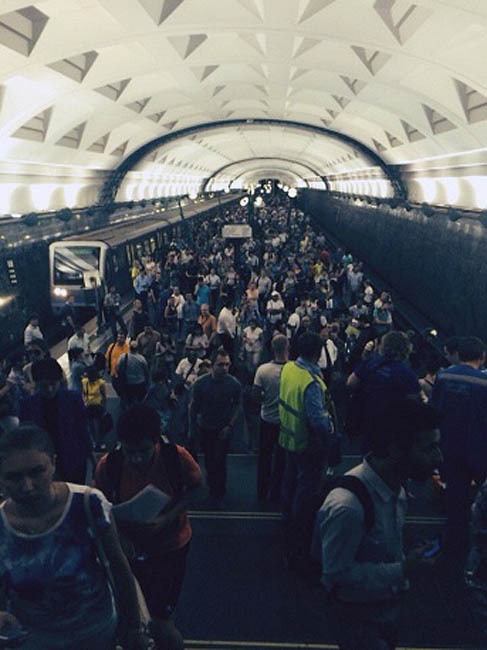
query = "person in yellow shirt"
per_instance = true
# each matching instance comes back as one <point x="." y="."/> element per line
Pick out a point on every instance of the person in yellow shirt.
<point x="112" y="355"/>
<point x="95" y="397"/>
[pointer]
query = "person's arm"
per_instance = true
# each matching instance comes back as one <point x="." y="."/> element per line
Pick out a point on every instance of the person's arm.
<point x="192" y="481"/>
<point x="234" y="414"/>
<point x="103" y="391"/>
<point x="257" y="388"/>
<point x="316" y="414"/>
<point x="82" y="424"/>
<point x="127" y="602"/>
<point x="341" y="528"/>
<point x="70" y="320"/>
<point x="146" y="372"/>
<point x="7" y="620"/>
<point x="194" y="408"/>
<point x="353" y="381"/>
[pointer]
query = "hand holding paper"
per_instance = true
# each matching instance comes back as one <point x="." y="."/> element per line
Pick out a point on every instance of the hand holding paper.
<point x="143" y="507"/>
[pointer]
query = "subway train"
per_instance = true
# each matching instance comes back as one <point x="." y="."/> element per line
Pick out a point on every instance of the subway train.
<point x="37" y="278"/>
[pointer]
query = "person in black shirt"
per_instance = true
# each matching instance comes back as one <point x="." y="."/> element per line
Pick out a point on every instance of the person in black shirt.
<point x="62" y="414"/>
<point x="213" y="412"/>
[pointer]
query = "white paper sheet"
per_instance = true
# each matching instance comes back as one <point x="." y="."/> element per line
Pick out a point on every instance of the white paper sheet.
<point x="143" y="507"/>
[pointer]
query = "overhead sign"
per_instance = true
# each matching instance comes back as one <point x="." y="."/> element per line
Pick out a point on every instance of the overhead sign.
<point x="236" y="231"/>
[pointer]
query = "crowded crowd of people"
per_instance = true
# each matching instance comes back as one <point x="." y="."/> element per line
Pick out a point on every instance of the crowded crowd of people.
<point x="279" y="341"/>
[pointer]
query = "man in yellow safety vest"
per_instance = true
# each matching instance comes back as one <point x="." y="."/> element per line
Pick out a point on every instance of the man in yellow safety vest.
<point x="304" y="431"/>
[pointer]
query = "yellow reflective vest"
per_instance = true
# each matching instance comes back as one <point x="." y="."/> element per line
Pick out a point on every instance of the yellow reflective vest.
<point x="293" y="434"/>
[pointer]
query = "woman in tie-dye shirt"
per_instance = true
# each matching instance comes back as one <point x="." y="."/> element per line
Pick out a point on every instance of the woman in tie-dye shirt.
<point x="53" y="584"/>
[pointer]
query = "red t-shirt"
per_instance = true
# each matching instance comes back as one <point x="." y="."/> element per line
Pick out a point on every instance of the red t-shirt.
<point x="134" y="481"/>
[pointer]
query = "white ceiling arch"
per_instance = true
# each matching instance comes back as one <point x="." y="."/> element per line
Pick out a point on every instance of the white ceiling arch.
<point x="84" y="83"/>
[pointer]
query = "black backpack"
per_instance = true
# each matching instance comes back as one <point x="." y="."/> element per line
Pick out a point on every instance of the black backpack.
<point x="352" y="484"/>
<point x="358" y="488"/>
<point x="172" y="462"/>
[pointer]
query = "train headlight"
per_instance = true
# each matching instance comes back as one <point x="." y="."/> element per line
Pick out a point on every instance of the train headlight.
<point x="62" y="293"/>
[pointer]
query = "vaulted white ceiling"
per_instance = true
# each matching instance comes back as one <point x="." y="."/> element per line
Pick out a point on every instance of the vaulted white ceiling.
<point x="84" y="83"/>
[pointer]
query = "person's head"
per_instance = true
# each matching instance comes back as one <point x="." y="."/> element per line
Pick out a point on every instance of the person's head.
<point x="220" y="363"/>
<point x="80" y="330"/>
<point x="35" y="351"/>
<point x="148" y="329"/>
<point x="133" y="346"/>
<point x="198" y="329"/>
<point x="75" y="354"/>
<point x="189" y="297"/>
<point x="309" y="346"/>
<point x="275" y="296"/>
<point x="306" y="322"/>
<point x="137" y="305"/>
<point x="176" y="291"/>
<point x="92" y="373"/>
<point x="191" y="354"/>
<point x="113" y="289"/>
<point x="120" y="339"/>
<point x="325" y="333"/>
<point x="471" y="350"/>
<point x="27" y="465"/>
<point x="17" y="361"/>
<point x="34" y="320"/>
<point x="70" y="299"/>
<point x="252" y="323"/>
<point x="280" y="347"/>
<point x="395" y="346"/>
<point x="432" y="366"/>
<point x="205" y="310"/>
<point x="407" y="437"/>
<point x="204" y="368"/>
<point x="138" y="429"/>
<point x="48" y="376"/>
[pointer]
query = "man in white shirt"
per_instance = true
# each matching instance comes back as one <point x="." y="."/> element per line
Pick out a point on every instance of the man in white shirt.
<point x="329" y="355"/>
<point x="33" y="332"/>
<point x="80" y="339"/>
<point x="226" y="327"/>
<point x="363" y="565"/>
<point x="275" y="308"/>
<point x="271" y="459"/>
<point x="187" y="370"/>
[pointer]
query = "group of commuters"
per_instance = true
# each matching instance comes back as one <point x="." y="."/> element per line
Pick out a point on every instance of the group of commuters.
<point x="284" y="325"/>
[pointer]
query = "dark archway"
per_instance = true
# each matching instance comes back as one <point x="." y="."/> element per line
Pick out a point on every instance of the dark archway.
<point x="113" y="182"/>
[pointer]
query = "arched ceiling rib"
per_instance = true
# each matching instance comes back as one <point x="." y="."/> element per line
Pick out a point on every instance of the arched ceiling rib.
<point x="84" y="83"/>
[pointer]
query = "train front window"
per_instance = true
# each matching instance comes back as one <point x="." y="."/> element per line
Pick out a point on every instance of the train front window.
<point x="72" y="262"/>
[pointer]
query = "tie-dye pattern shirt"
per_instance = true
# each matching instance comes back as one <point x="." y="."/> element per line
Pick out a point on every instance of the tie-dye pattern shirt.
<point x="55" y="584"/>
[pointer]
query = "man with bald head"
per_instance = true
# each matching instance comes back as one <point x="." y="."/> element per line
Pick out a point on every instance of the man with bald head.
<point x="266" y="390"/>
